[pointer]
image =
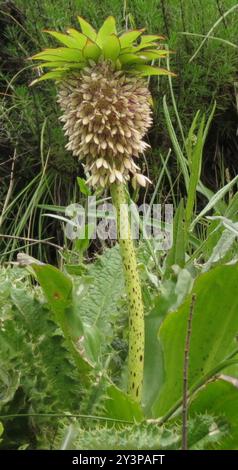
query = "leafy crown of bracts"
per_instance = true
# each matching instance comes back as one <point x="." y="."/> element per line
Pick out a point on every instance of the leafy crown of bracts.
<point x="130" y="51"/>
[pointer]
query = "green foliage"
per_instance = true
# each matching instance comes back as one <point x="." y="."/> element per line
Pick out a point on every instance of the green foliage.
<point x="32" y="344"/>
<point x="213" y="337"/>
<point x="99" y="306"/>
<point x="1" y="431"/>
<point x="89" y="310"/>
<point x="148" y="436"/>
<point x="176" y="255"/>
<point x="58" y="290"/>
<point x="35" y="362"/>
<point x="33" y="349"/>
<point x="120" y="406"/>
<point x="39" y="361"/>
<point x="220" y="398"/>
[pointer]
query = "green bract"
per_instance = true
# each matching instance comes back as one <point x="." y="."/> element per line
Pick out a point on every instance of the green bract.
<point x="129" y="51"/>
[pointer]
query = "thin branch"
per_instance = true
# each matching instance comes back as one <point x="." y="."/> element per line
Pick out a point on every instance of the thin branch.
<point x="20" y="26"/>
<point x="61" y="415"/>
<point x="184" y="24"/>
<point x="185" y="377"/>
<point x="165" y="16"/>
<point x="211" y="375"/>
<point x="225" y="41"/>
<point x="211" y="30"/>
<point x="46" y="242"/>
<point x="9" y="192"/>
<point x="219" y="7"/>
<point x="9" y="159"/>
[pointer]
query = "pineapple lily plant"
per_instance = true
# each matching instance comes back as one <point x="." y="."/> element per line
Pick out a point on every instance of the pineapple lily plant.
<point x="106" y="111"/>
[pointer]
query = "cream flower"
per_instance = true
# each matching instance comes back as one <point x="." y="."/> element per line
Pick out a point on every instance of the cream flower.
<point x="106" y="115"/>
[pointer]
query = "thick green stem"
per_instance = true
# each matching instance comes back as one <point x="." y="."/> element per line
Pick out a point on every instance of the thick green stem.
<point x="133" y="288"/>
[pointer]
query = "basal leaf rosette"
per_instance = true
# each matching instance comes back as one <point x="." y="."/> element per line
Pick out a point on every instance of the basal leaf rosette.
<point x="104" y="96"/>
